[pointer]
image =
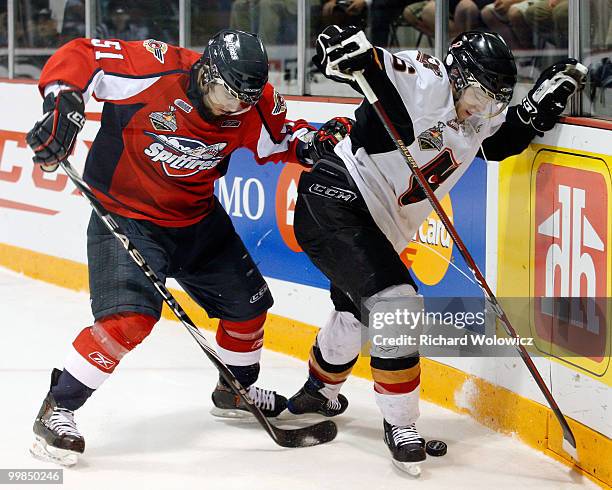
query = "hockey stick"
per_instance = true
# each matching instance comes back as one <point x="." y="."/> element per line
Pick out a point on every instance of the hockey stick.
<point x="569" y="442"/>
<point x="306" y="436"/>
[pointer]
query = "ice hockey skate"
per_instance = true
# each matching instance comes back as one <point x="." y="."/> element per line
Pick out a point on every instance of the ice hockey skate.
<point x="57" y="438"/>
<point x="407" y="447"/>
<point x="229" y="405"/>
<point x="310" y="400"/>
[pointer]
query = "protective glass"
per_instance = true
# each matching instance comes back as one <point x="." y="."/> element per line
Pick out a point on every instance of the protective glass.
<point x="474" y="99"/>
<point x="219" y="98"/>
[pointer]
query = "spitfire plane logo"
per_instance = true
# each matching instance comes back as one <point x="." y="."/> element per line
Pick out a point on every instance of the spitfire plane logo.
<point x="164" y="121"/>
<point x="432" y="138"/>
<point x="183" y="157"/>
<point x="156" y="48"/>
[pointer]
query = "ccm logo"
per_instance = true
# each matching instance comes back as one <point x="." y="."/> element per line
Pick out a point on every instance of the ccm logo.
<point x="259" y="294"/>
<point x="333" y="192"/>
<point x="571" y="249"/>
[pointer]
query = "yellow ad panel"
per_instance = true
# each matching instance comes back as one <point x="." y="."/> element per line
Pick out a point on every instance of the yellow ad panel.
<point x="555" y="240"/>
<point x="570" y="258"/>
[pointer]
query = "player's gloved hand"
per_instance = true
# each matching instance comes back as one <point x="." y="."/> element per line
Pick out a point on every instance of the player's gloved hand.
<point x="53" y="136"/>
<point x="547" y="99"/>
<point x="325" y="139"/>
<point x="342" y="51"/>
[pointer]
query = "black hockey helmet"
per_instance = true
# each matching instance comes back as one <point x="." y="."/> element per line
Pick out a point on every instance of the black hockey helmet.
<point x="482" y="59"/>
<point x="237" y="59"/>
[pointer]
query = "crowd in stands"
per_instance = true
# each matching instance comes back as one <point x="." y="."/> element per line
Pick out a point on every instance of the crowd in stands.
<point x="536" y="30"/>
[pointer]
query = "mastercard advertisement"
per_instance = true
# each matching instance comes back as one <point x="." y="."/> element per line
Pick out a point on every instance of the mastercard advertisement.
<point x="261" y="201"/>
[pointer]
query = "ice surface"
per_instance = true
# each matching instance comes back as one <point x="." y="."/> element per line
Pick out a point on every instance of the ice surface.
<point x="149" y="426"/>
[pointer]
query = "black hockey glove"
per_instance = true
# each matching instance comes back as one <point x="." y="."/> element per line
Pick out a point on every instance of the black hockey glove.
<point x="547" y="99"/>
<point x="342" y="51"/>
<point x="325" y="139"/>
<point x="53" y="137"/>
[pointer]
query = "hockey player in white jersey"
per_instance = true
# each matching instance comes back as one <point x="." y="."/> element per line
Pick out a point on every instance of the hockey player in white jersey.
<point x="360" y="206"/>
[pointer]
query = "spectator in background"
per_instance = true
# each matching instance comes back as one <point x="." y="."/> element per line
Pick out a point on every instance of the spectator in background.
<point x="519" y="20"/>
<point x="45" y="33"/>
<point x="121" y="26"/>
<point x="548" y="20"/>
<point x="383" y="13"/>
<point x="345" y="12"/>
<point x="600" y="87"/>
<point x="507" y="18"/>
<point x="207" y="18"/>
<point x="3" y="29"/>
<point x="464" y="16"/>
<point x="73" y="25"/>
<point x="160" y="19"/>
<point x="274" y="21"/>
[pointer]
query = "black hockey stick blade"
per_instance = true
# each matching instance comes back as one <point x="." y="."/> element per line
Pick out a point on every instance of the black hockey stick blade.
<point x="312" y="435"/>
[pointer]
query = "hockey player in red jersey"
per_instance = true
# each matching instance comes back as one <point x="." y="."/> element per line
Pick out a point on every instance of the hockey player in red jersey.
<point x="445" y="113"/>
<point x="170" y="122"/>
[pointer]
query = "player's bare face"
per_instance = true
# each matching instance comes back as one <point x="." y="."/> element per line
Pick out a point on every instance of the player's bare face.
<point x="475" y="102"/>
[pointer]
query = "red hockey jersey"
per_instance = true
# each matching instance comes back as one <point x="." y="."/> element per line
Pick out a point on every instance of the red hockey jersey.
<point x="154" y="157"/>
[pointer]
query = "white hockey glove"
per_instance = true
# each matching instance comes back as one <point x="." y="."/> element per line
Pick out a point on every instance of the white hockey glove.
<point x="342" y="51"/>
<point x="547" y="99"/>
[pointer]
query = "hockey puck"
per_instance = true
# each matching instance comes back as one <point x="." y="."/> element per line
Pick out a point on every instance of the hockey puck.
<point x="435" y="448"/>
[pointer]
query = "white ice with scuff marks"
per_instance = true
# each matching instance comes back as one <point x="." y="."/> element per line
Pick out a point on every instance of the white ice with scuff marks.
<point x="149" y="426"/>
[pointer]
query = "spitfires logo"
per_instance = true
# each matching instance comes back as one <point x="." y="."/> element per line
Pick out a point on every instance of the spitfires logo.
<point x="164" y="121"/>
<point x="156" y="48"/>
<point x="432" y="138"/>
<point x="183" y="157"/>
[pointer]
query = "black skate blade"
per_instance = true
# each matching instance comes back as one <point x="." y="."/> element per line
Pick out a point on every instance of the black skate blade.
<point x="312" y="435"/>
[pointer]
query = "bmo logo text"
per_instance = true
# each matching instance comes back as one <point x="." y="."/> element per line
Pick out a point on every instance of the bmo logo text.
<point x="242" y="197"/>
<point x="570" y="259"/>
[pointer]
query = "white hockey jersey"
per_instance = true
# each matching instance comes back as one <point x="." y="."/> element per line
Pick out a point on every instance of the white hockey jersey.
<point x="442" y="147"/>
